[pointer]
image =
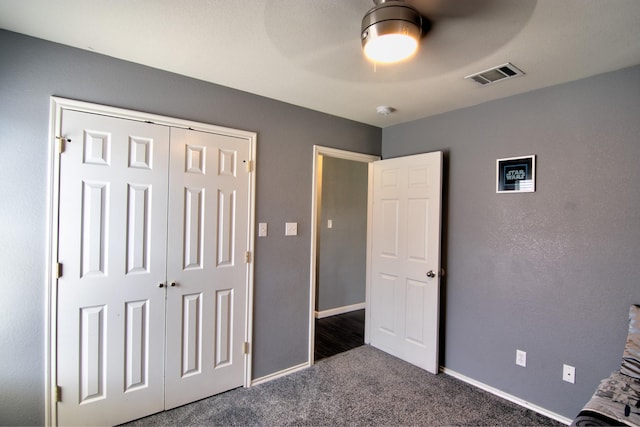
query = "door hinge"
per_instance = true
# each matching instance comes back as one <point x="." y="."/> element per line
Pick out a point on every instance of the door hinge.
<point x="61" y="142"/>
<point x="247" y="257"/>
<point x="249" y="165"/>
<point x="58" y="393"/>
<point x="246" y="347"/>
<point x="58" y="270"/>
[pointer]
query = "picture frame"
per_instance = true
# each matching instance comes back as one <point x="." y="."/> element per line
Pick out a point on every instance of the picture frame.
<point x="516" y="174"/>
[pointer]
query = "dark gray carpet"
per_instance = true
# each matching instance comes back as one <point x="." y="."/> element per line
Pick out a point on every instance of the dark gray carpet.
<point x="362" y="387"/>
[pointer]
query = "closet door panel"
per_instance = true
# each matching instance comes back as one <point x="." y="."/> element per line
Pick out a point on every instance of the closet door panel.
<point x="112" y="246"/>
<point x="208" y="235"/>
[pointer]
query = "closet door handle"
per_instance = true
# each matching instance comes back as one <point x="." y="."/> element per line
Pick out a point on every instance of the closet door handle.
<point x="173" y="284"/>
<point x="161" y="285"/>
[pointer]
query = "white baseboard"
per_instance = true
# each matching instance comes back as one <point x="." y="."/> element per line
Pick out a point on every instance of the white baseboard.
<point x="339" y="310"/>
<point x="506" y="396"/>
<point x="280" y="374"/>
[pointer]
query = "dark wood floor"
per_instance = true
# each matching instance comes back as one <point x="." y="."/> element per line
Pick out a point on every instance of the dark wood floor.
<point x="337" y="334"/>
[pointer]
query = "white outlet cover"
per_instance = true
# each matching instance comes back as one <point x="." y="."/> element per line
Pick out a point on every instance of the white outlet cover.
<point x="291" y="229"/>
<point x="569" y="374"/>
<point x="521" y="358"/>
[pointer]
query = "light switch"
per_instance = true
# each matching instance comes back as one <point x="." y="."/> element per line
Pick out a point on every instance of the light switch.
<point x="329" y="223"/>
<point x="291" y="229"/>
<point x="262" y="229"/>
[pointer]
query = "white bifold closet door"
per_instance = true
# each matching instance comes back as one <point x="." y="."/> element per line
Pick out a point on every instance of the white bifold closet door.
<point x="153" y="228"/>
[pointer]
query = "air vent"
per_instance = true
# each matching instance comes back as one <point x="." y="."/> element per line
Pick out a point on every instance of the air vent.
<point x="496" y="74"/>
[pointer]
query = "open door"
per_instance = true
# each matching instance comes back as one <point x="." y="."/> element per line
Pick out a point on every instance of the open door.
<point x="404" y="297"/>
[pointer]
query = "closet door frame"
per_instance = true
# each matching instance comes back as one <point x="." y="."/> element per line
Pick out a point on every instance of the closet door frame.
<point x="55" y="147"/>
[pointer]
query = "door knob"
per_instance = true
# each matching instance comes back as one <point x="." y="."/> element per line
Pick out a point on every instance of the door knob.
<point x="161" y="285"/>
<point x="431" y="274"/>
<point x="173" y="284"/>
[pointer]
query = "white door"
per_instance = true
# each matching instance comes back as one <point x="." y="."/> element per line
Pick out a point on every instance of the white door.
<point x="152" y="301"/>
<point x="208" y="240"/>
<point x="405" y="258"/>
<point x="112" y="246"/>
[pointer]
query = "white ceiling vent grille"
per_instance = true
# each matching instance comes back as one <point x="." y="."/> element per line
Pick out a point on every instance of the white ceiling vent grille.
<point x="496" y="74"/>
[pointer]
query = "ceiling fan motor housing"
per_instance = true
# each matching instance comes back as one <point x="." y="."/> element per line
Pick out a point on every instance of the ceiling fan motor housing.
<point x="391" y="17"/>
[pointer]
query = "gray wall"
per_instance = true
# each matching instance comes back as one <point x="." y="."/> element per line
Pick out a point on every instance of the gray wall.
<point x="342" y="253"/>
<point x="31" y="71"/>
<point x="552" y="272"/>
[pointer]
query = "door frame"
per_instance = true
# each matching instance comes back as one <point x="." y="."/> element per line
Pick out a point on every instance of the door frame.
<point x="57" y="106"/>
<point x="319" y="152"/>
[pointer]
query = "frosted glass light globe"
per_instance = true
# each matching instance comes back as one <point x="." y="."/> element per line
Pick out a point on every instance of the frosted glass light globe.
<point x="390" y="48"/>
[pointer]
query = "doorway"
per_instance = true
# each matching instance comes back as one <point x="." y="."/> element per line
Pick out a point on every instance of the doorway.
<point x="340" y="221"/>
<point x="401" y="304"/>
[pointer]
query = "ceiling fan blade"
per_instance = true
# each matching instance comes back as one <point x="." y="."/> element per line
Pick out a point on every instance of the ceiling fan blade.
<point x="434" y="9"/>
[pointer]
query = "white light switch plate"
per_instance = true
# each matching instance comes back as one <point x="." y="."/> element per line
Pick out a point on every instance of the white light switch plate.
<point x="291" y="229"/>
<point x="262" y="229"/>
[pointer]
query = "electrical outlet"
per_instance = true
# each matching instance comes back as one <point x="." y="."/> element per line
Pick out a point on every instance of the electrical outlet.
<point x="521" y="358"/>
<point x="569" y="374"/>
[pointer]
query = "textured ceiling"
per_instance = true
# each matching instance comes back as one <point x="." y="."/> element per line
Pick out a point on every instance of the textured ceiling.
<point x="307" y="52"/>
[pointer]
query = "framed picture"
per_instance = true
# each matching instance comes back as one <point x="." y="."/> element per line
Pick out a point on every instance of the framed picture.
<point x="516" y="175"/>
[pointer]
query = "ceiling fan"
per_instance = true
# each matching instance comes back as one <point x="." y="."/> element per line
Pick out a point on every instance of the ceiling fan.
<point x="454" y="34"/>
<point x="392" y="29"/>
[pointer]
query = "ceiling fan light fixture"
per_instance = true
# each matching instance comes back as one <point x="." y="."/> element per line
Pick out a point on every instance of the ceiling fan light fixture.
<point x="391" y="31"/>
<point x="390" y="48"/>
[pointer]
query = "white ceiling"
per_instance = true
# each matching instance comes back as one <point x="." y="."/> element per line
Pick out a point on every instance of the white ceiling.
<point x="308" y="52"/>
